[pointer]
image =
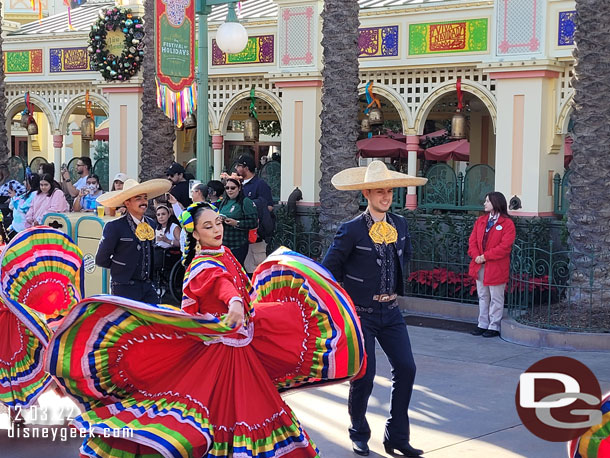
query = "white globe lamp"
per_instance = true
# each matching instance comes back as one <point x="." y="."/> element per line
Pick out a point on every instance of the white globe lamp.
<point x="231" y="37"/>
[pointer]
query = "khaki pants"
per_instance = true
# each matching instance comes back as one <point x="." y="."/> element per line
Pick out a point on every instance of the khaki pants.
<point x="491" y="303"/>
<point x="257" y="252"/>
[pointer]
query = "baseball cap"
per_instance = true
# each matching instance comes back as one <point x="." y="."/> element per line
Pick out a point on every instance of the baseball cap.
<point x="120" y="177"/>
<point x="174" y="168"/>
<point x="247" y="160"/>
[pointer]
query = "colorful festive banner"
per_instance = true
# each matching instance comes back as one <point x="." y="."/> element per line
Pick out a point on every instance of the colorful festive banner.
<point x="378" y="41"/>
<point x="175" y="43"/>
<point x="567" y="26"/>
<point x="69" y="60"/>
<point x="23" y="61"/>
<point x="443" y="37"/>
<point x="259" y="50"/>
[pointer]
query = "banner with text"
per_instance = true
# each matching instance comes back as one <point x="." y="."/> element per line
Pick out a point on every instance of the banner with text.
<point x="469" y="35"/>
<point x="175" y="57"/>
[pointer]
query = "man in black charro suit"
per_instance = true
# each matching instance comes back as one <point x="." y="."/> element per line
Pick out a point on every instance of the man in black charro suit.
<point x="368" y="256"/>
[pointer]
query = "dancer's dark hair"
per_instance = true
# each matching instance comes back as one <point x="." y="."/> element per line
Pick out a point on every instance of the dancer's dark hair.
<point x="188" y="221"/>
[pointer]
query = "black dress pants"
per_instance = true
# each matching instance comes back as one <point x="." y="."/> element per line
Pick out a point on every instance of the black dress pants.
<point x="388" y="327"/>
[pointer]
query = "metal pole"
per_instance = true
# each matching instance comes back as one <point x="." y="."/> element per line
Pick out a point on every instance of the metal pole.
<point x="203" y="133"/>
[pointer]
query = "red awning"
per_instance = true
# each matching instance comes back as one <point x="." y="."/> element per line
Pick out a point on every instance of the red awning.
<point x="381" y="146"/>
<point x="458" y="151"/>
<point x="102" y="134"/>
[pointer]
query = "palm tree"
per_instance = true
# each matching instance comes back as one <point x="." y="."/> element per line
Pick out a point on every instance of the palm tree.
<point x="339" y="127"/>
<point x="4" y="151"/>
<point x="589" y="211"/>
<point x="158" y="134"/>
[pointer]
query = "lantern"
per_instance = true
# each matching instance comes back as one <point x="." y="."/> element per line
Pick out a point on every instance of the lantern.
<point x="458" y="126"/>
<point x="32" y="126"/>
<point x="190" y="122"/>
<point x="24" y="120"/>
<point x="251" y="129"/>
<point x="375" y="117"/>
<point x="365" y="125"/>
<point x="87" y="128"/>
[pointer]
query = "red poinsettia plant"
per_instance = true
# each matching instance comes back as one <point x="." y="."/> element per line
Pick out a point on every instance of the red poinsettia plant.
<point x="441" y="281"/>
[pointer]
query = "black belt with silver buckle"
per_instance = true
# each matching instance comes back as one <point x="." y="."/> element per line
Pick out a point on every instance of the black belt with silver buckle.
<point x="384" y="297"/>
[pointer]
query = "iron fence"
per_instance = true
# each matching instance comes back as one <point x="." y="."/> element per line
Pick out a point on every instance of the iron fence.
<point x="546" y="291"/>
<point x="542" y="290"/>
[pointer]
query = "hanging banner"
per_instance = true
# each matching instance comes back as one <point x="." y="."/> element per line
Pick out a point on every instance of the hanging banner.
<point x="469" y="35"/>
<point x="175" y="43"/>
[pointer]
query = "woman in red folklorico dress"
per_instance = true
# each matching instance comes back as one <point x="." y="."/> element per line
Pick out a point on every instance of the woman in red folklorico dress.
<point x="161" y="382"/>
<point x="40" y="280"/>
<point x="489" y="247"/>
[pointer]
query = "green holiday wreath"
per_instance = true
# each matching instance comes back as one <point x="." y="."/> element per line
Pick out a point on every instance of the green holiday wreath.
<point x="117" y="67"/>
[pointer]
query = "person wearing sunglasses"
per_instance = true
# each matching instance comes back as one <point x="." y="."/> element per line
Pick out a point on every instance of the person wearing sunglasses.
<point x="83" y="168"/>
<point x="239" y="215"/>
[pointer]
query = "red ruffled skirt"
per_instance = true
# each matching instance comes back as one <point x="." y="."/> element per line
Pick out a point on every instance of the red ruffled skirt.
<point x="158" y="382"/>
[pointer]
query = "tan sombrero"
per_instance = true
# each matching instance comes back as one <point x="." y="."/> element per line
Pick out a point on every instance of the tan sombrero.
<point x="131" y="188"/>
<point x="376" y="175"/>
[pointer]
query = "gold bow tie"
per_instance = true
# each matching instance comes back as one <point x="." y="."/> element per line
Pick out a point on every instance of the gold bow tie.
<point x="382" y="232"/>
<point x="144" y="232"/>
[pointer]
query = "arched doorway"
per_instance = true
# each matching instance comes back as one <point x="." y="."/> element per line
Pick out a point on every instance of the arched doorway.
<point x="267" y="149"/>
<point x="75" y="146"/>
<point x="480" y="131"/>
<point x="25" y="146"/>
<point x="392" y="121"/>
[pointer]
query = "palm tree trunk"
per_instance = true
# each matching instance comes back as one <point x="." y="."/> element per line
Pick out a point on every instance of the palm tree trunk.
<point x="4" y="149"/>
<point x="339" y="126"/>
<point x="158" y="134"/>
<point x="589" y="211"/>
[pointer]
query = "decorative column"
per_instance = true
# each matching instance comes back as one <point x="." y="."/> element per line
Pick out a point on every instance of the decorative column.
<point x="301" y="108"/>
<point x="124" y="100"/>
<point x="525" y="158"/>
<point x="58" y="143"/>
<point x="217" y="145"/>
<point x="412" y="147"/>
<point x="299" y="63"/>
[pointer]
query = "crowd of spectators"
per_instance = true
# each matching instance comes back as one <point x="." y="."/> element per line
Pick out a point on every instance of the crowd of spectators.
<point x="244" y="202"/>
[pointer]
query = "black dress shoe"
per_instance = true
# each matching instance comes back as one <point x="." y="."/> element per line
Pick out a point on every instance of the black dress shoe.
<point x="360" y="448"/>
<point x="404" y="448"/>
<point x="478" y="331"/>
<point x="491" y="333"/>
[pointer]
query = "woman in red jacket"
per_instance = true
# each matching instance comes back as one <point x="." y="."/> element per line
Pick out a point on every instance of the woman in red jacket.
<point x="489" y="247"/>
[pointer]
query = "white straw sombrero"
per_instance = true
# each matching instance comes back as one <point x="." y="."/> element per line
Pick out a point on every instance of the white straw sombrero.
<point x="376" y="175"/>
<point x="131" y="188"/>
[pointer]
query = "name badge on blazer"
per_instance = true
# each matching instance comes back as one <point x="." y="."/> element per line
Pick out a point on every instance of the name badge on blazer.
<point x="498" y="227"/>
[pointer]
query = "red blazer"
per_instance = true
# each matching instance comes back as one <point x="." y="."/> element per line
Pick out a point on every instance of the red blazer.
<point x="497" y="250"/>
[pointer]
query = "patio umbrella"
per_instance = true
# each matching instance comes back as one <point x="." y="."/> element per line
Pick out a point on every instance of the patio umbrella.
<point x="437" y="133"/>
<point x="381" y="146"/>
<point x="102" y="134"/>
<point x="458" y="150"/>
<point x="396" y="135"/>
